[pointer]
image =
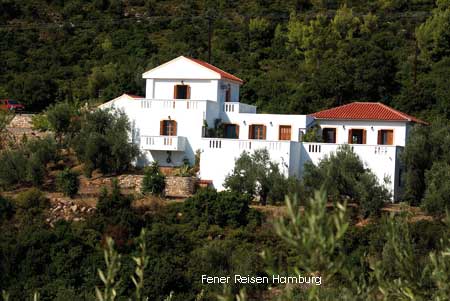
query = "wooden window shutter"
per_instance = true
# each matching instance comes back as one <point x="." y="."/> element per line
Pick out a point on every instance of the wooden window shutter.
<point x="380" y="136"/>
<point x="161" y="127"/>
<point x="390" y="137"/>
<point x="188" y="92"/>
<point x="364" y="137"/>
<point x="174" y="126"/>
<point x="237" y="131"/>
<point x="175" y="90"/>
<point x="264" y="132"/>
<point x="350" y="140"/>
<point x="250" y="132"/>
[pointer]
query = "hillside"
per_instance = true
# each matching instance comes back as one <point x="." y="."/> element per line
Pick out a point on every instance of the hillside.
<point x="295" y="56"/>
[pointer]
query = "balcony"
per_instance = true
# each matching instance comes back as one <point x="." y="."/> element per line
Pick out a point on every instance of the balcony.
<point x="164" y="143"/>
<point x="174" y="104"/>
<point x="237" y="107"/>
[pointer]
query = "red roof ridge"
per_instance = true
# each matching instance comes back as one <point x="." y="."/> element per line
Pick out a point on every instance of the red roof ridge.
<point x="404" y="115"/>
<point x="222" y="73"/>
<point x="359" y="111"/>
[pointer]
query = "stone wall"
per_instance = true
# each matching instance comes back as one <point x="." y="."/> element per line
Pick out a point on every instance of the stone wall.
<point x="21" y="121"/>
<point x="175" y="186"/>
<point x="180" y="186"/>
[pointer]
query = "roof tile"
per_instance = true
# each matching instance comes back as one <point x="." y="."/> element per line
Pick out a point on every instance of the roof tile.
<point x="365" y="111"/>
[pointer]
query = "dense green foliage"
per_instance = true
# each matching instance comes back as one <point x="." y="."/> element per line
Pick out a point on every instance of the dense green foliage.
<point x="67" y="182"/>
<point x="102" y="142"/>
<point x="219" y="208"/>
<point x="294" y="56"/>
<point x="389" y="259"/>
<point x="257" y="176"/>
<point x="426" y="147"/>
<point x="344" y="176"/>
<point x="153" y="181"/>
<point x="27" y="163"/>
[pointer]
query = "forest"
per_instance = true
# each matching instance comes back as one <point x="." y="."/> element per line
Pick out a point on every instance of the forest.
<point x="295" y="56"/>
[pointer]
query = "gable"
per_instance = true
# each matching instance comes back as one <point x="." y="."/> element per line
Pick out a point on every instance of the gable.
<point x="181" y="68"/>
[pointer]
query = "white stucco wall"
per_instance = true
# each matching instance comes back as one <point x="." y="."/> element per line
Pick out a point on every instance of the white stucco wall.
<point x="371" y="127"/>
<point x="201" y="89"/>
<point x="219" y="155"/>
<point x="271" y="121"/>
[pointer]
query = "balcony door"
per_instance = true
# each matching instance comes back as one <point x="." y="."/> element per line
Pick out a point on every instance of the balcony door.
<point x="385" y="137"/>
<point x="257" y="131"/>
<point x="181" y="92"/>
<point x="357" y="136"/>
<point x="231" y="131"/>
<point x="285" y="132"/>
<point x="329" y="135"/>
<point x="168" y="128"/>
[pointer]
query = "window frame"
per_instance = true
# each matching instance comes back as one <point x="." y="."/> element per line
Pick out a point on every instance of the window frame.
<point x="168" y="130"/>
<point x="175" y="91"/>
<point x="380" y="137"/>
<point x="251" y="133"/>
<point x="236" y="130"/>
<point x="334" y="129"/>
<point x="363" y="138"/>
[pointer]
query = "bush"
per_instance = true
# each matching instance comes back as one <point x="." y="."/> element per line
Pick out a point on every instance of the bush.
<point x="218" y="208"/>
<point x="256" y="175"/>
<point x="27" y="163"/>
<point x="111" y="203"/>
<point x="60" y="117"/>
<point x="344" y="176"/>
<point x="32" y="200"/>
<point x="153" y="181"/>
<point x="67" y="182"/>
<point x="40" y="122"/>
<point x="13" y="167"/>
<point x="103" y="142"/>
<point x="437" y="194"/>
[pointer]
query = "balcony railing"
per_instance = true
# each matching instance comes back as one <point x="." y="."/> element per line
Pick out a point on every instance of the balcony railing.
<point x="244" y="145"/>
<point x="165" y="143"/>
<point x="174" y="104"/>
<point x="237" y="107"/>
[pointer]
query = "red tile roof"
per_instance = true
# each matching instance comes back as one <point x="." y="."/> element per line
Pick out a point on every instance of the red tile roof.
<point x="365" y="111"/>
<point x="223" y="74"/>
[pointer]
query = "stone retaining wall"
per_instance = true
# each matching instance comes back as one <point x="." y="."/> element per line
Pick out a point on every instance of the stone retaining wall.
<point x="180" y="186"/>
<point x="21" y="121"/>
<point x="175" y="186"/>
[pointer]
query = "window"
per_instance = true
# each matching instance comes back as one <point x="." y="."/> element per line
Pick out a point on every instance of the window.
<point x="385" y="137"/>
<point x="257" y="131"/>
<point x="284" y="132"/>
<point x="181" y="92"/>
<point x="231" y="131"/>
<point x="329" y="135"/>
<point x="357" y="136"/>
<point x="168" y="128"/>
<point x="228" y="95"/>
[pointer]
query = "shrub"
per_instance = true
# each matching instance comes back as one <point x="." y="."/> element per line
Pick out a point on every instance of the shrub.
<point x="67" y="182"/>
<point x="345" y="177"/>
<point x="218" y="208"/>
<point x="60" y="117"/>
<point x="111" y="203"/>
<point x="13" y="167"/>
<point x="103" y="142"/>
<point x="256" y="175"/>
<point x="32" y="198"/>
<point x="153" y="181"/>
<point x="27" y="163"/>
<point x="40" y="122"/>
<point x="437" y="194"/>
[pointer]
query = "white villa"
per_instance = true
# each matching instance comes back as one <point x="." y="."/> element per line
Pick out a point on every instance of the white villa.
<point x="185" y="97"/>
